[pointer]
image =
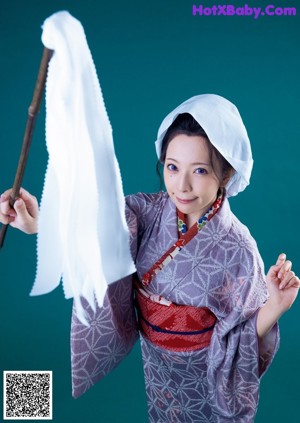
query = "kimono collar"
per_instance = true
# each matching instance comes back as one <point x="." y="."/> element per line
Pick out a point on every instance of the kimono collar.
<point x="223" y="217"/>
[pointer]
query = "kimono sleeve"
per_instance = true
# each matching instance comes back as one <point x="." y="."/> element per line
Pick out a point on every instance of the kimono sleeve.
<point x="141" y="211"/>
<point x="236" y="360"/>
<point x="112" y="332"/>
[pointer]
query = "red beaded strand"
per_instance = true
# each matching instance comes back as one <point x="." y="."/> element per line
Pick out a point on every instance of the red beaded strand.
<point x="184" y="238"/>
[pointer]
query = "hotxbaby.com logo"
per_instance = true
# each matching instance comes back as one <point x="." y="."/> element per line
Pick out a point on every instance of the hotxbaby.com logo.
<point x="244" y="10"/>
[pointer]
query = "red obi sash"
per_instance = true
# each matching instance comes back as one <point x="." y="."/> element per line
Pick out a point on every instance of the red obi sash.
<point x="174" y="327"/>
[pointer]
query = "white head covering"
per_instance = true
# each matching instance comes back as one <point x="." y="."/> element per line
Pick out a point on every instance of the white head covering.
<point x="224" y="127"/>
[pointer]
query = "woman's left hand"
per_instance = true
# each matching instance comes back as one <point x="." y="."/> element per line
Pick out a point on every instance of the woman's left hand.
<point x="282" y="283"/>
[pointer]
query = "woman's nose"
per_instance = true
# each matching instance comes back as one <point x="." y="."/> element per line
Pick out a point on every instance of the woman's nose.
<point x="184" y="183"/>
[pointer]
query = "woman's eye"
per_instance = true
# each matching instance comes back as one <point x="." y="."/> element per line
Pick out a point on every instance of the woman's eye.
<point x="171" y="167"/>
<point x="201" y="171"/>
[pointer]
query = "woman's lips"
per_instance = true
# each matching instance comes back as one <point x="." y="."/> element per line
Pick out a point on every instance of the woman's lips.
<point x="185" y="201"/>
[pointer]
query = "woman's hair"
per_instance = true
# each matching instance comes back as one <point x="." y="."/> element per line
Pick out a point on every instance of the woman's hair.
<point x="187" y="125"/>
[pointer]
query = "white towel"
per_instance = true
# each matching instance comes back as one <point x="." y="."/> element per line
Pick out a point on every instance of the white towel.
<point x="83" y="235"/>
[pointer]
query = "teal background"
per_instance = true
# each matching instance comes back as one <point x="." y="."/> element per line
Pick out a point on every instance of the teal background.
<point x="151" y="56"/>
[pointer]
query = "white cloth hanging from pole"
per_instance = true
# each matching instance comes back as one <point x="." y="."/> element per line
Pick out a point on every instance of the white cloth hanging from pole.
<point x="83" y="235"/>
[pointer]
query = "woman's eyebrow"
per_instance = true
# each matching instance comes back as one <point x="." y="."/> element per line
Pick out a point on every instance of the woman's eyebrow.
<point x="200" y="163"/>
<point x="193" y="164"/>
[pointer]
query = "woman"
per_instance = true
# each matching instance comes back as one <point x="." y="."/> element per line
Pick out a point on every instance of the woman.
<point x="207" y="315"/>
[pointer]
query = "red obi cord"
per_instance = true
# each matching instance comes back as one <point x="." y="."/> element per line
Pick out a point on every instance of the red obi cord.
<point x="175" y="327"/>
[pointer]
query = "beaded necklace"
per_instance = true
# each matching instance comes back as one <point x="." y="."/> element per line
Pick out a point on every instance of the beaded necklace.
<point x="185" y="235"/>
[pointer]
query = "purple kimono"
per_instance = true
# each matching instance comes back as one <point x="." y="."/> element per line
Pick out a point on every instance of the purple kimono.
<point x="220" y="268"/>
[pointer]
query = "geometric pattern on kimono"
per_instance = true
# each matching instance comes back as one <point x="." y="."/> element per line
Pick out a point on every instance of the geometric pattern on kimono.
<point x="112" y="332"/>
<point x="220" y="268"/>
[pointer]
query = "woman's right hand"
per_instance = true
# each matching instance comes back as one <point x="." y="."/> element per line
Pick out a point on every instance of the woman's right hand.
<point x="24" y="214"/>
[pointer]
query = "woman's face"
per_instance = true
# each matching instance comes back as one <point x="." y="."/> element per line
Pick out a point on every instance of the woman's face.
<point x="189" y="176"/>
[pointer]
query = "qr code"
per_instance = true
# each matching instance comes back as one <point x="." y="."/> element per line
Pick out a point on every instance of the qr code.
<point x="27" y="395"/>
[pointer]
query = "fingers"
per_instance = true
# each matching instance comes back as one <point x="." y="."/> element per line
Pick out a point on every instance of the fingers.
<point x="281" y="259"/>
<point x="273" y="271"/>
<point x="24" y="221"/>
<point x="286" y="276"/>
<point x="289" y="280"/>
<point x="285" y="268"/>
<point x="24" y="215"/>
<point x="7" y="214"/>
<point x="6" y="220"/>
<point x="282" y="266"/>
<point x="280" y="270"/>
<point x="30" y="203"/>
<point x="6" y="193"/>
<point x="20" y="208"/>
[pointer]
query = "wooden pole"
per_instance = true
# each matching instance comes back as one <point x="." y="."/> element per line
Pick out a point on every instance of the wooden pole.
<point x="33" y="111"/>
